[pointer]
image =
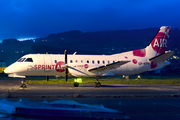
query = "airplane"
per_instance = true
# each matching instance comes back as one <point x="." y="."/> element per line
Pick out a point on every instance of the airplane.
<point x="153" y="57"/>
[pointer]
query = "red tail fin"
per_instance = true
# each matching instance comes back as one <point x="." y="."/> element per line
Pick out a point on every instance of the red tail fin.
<point x="159" y="44"/>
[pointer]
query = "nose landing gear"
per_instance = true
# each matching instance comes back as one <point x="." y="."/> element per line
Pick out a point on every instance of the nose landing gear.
<point x="23" y="85"/>
<point x="97" y="84"/>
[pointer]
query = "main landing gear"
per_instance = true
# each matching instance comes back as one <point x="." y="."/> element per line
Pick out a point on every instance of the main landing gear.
<point x="76" y="84"/>
<point x="97" y="84"/>
<point x="23" y="85"/>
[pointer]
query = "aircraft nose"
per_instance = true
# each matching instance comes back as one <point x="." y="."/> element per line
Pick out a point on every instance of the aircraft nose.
<point x="7" y="70"/>
<point x="14" y="68"/>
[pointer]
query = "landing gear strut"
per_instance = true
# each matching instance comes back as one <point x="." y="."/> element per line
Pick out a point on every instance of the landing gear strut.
<point x="23" y="85"/>
<point x="97" y="84"/>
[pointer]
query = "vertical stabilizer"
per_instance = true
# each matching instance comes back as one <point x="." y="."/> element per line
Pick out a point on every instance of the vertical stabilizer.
<point x="159" y="43"/>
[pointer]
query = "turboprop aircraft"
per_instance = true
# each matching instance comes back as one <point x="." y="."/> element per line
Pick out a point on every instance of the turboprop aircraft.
<point x="153" y="57"/>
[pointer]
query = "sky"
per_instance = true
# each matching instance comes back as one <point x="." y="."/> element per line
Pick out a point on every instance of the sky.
<point x="39" y="18"/>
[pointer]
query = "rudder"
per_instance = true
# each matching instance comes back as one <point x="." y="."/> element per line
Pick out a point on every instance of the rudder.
<point x="159" y="43"/>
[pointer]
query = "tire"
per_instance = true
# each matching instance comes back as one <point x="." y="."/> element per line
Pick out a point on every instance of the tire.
<point x="97" y="84"/>
<point x="76" y="84"/>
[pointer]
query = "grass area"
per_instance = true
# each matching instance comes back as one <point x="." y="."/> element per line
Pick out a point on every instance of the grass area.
<point x="170" y="81"/>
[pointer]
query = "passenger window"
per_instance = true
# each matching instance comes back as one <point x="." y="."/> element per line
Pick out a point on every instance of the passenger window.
<point x="76" y="61"/>
<point x="92" y="61"/>
<point x="81" y="61"/>
<point x="29" y="60"/>
<point x="71" y="61"/>
<point x="87" y="61"/>
<point x="55" y="61"/>
<point x="113" y="61"/>
<point x="98" y="62"/>
<point x="108" y="61"/>
<point x="103" y="62"/>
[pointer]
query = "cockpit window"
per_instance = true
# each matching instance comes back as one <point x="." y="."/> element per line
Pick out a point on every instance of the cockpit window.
<point x="29" y="60"/>
<point x="21" y="59"/>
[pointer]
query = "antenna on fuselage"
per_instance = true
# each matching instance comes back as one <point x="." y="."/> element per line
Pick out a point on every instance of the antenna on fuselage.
<point x="74" y="53"/>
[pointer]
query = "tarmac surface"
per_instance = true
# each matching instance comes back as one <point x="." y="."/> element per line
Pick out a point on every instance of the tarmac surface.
<point x="139" y="102"/>
<point x="11" y="88"/>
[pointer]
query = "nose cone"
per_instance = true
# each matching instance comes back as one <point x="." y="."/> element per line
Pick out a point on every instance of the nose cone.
<point x="7" y="70"/>
<point x="13" y="68"/>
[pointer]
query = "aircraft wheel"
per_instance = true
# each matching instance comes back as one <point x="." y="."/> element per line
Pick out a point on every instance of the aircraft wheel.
<point x="23" y="86"/>
<point x="76" y="84"/>
<point x="97" y="84"/>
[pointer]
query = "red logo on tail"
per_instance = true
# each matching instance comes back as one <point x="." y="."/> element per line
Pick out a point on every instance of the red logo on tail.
<point x="160" y="42"/>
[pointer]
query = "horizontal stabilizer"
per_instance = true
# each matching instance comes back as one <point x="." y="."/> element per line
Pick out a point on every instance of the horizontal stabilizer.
<point x="162" y="57"/>
<point x="105" y="68"/>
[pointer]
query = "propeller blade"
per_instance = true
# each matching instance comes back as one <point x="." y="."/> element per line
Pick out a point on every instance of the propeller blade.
<point x="65" y="53"/>
<point x="66" y="69"/>
<point x="47" y="78"/>
<point x="66" y="74"/>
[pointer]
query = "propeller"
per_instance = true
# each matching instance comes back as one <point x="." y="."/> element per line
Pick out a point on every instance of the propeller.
<point x="66" y="69"/>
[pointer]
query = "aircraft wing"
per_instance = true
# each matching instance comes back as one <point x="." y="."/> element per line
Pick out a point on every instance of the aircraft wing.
<point x="162" y="57"/>
<point x="105" y="68"/>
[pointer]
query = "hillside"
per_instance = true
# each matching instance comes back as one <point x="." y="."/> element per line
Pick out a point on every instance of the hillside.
<point x="103" y="42"/>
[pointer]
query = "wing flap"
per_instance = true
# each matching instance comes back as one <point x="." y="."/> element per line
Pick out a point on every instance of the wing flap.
<point x="105" y="68"/>
<point x="162" y="57"/>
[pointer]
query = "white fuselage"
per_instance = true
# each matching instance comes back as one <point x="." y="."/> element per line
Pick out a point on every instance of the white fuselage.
<point x="50" y="65"/>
